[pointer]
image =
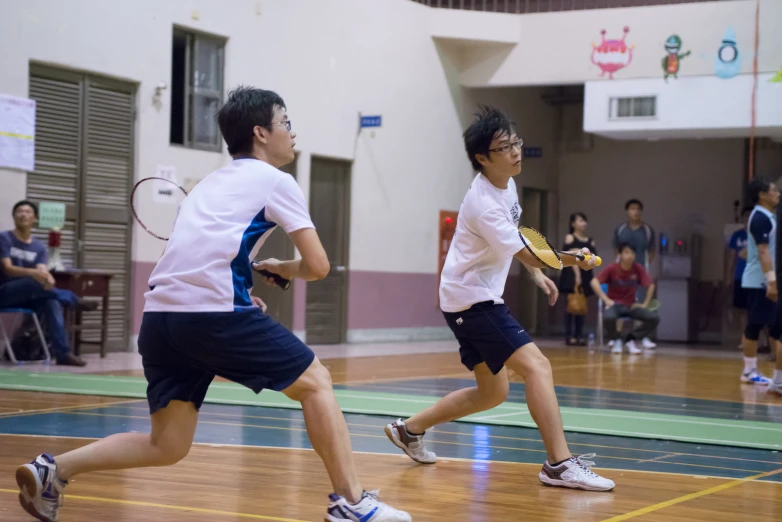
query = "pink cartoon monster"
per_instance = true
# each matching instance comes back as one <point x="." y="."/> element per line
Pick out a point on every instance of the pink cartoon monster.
<point x="612" y="55"/>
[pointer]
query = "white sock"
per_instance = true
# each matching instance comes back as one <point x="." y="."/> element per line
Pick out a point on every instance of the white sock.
<point x="778" y="377"/>
<point x="750" y="363"/>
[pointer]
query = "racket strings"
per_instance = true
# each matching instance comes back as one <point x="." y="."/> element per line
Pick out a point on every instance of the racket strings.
<point x="540" y="248"/>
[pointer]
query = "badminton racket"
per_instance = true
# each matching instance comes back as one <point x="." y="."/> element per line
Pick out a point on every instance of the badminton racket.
<point x="155" y="201"/>
<point x="541" y="249"/>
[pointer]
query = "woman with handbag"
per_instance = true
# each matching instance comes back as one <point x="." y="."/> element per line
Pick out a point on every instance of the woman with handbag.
<point x="574" y="282"/>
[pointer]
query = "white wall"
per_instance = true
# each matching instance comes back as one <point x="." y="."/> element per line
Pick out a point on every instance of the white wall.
<point x="555" y="48"/>
<point x="329" y="61"/>
<point x="693" y="106"/>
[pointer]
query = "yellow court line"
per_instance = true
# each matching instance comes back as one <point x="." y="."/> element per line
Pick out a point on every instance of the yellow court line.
<point x="685" y="498"/>
<point x="284" y="428"/>
<point x="14" y="135"/>
<point x="171" y="507"/>
<point x="65" y="408"/>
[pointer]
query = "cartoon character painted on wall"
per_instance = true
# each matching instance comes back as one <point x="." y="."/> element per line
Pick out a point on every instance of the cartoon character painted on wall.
<point x="612" y="55"/>
<point x="673" y="59"/>
<point x="728" y="57"/>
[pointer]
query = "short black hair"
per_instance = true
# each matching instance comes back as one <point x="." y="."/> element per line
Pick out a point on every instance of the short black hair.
<point x="624" y="245"/>
<point x="573" y="217"/>
<point x="28" y="203"/>
<point x="246" y="108"/>
<point x="756" y="187"/>
<point x="634" y="202"/>
<point x="489" y="123"/>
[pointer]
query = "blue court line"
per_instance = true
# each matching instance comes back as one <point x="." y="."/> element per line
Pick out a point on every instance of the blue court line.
<point x="239" y="425"/>
<point x="592" y="398"/>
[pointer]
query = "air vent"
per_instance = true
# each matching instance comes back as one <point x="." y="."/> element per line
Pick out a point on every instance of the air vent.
<point x="642" y="107"/>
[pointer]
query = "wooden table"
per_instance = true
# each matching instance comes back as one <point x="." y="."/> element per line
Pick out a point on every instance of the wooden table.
<point x="85" y="283"/>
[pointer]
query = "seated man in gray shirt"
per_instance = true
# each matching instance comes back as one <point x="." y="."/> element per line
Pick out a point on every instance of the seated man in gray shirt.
<point x="25" y="282"/>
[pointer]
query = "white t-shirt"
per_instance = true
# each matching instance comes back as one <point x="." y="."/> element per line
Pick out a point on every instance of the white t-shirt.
<point x="219" y="228"/>
<point x="483" y="246"/>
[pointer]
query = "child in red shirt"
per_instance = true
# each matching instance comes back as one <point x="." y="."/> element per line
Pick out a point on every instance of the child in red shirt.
<point x="623" y="279"/>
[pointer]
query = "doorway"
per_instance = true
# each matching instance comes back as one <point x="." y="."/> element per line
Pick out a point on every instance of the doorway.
<point x="326" y="317"/>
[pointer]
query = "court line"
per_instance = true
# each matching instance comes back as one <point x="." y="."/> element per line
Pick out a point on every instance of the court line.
<point x="685" y="498"/>
<point x="57" y="409"/>
<point x="396" y="456"/>
<point x="170" y="507"/>
<point x="288" y="419"/>
<point x="367" y="435"/>
<point x="487" y="417"/>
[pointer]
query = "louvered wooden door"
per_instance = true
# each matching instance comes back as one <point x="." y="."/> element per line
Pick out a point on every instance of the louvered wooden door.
<point x="84" y="158"/>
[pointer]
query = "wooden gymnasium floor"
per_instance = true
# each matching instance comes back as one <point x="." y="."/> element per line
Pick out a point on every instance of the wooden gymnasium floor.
<point x="256" y="463"/>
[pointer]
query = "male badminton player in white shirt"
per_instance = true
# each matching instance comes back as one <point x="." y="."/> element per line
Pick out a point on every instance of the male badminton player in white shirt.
<point x="199" y="321"/>
<point x="473" y="279"/>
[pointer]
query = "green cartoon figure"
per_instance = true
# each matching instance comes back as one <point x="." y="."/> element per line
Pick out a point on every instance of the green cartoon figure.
<point x="671" y="62"/>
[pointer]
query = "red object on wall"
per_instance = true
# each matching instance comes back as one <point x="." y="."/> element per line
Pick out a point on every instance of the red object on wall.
<point x="446" y="227"/>
<point x="54" y="238"/>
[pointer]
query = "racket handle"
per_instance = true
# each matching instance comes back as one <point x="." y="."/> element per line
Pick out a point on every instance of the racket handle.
<point x="278" y="279"/>
<point x="582" y="257"/>
<point x="598" y="261"/>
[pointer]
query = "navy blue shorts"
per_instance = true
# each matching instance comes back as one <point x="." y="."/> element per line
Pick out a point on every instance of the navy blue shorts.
<point x="183" y="351"/>
<point x="760" y="309"/>
<point x="487" y="333"/>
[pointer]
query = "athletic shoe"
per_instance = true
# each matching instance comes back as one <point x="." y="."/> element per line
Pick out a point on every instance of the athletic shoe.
<point x="40" y="491"/>
<point x="754" y="377"/>
<point x="648" y="343"/>
<point x="574" y="473"/>
<point x="413" y="445"/>
<point x="369" y="509"/>
<point x="774" y="387"/>
<point x="617" y="346"/>
<point x="632" y="348"/>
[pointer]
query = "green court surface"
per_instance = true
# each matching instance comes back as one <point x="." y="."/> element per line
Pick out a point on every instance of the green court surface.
<point x="703" y="430"/>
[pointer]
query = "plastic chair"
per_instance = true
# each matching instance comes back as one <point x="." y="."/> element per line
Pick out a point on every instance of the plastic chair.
<point x="6" y="346"/>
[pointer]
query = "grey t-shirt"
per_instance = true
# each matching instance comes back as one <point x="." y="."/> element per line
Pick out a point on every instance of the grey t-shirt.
<point x="642" y="238"/>
<point x="22" y="254"/>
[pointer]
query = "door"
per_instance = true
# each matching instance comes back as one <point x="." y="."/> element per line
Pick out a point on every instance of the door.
<point x="279" y="246"/>
<point x="330" y="210"/>
<point x="84" y="158"/>
<point x="531" y="299"/>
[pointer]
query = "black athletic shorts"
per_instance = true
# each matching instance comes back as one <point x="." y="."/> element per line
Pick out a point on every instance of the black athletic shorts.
<point x="739" y="296"/>
<point x="182" y="352"/>
<point x="487" y="333"/>
<point x="760" y="309"/>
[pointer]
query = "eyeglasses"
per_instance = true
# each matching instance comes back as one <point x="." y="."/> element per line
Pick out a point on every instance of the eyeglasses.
<point x="286" y="124"/>
<point x="508" y="146"/>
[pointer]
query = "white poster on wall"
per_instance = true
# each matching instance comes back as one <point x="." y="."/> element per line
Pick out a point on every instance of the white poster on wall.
<point x="164" y="192"/>
<point x="17" y="132"/>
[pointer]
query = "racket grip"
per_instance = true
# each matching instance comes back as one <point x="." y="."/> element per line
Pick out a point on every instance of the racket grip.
<point x="598" y="260"/>
<point x="278" y="279"/>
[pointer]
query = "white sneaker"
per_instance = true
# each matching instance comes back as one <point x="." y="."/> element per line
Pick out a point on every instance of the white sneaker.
<point x="40" y="491"/>
<point x="574" y="473"/>
<point x="648" y="343"/>
<point x="632" y="348"/>
<point x="754" y="377"/>
<point x="774" y="387"/>
<point x="413" y="445"/>
<point x="369" y="509"/>
<point x="617" y="347"/>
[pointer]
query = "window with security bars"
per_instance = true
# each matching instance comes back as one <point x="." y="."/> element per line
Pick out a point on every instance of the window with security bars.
<point x="641" y="107"/>
<point x="197" y="75"/>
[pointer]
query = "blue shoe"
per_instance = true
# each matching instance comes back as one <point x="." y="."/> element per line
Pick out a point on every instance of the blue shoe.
<point x="369" y="509"/>
<point x="754" y="377"/>
<point x="40" y="491"/>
